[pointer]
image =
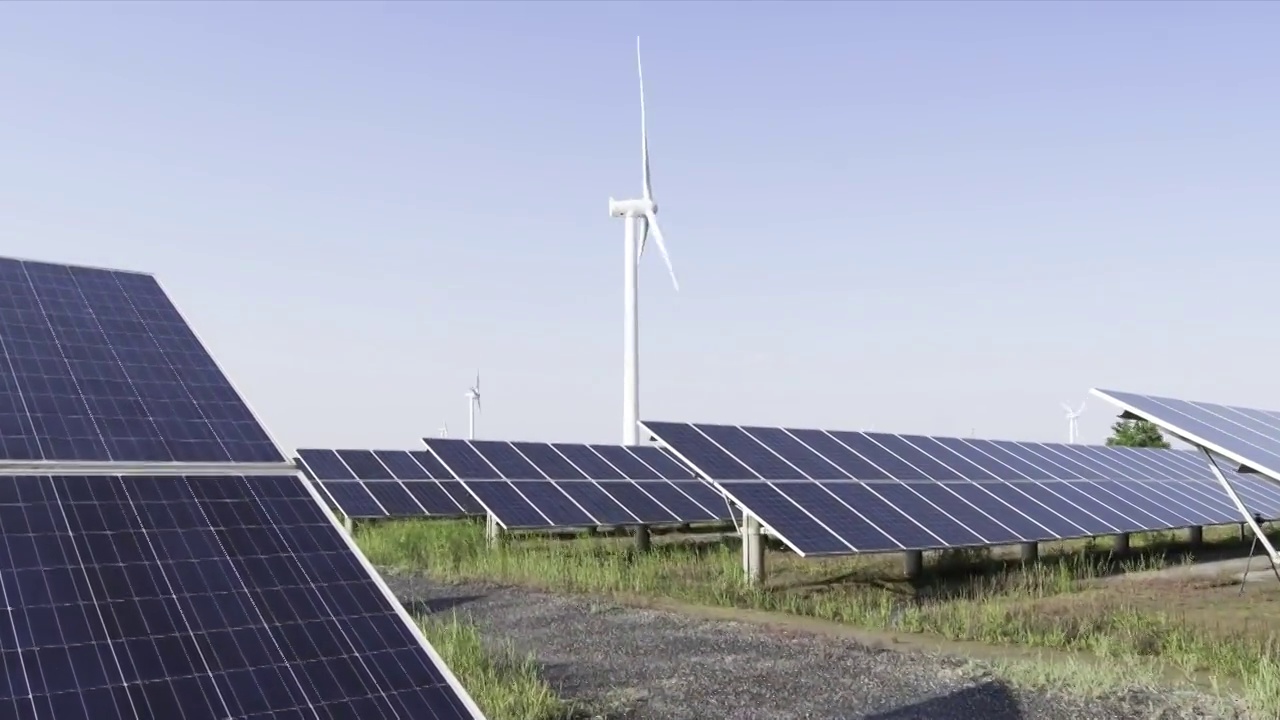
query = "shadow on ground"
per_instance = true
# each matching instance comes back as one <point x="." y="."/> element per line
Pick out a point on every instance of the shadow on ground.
<point x="989" y="701"/>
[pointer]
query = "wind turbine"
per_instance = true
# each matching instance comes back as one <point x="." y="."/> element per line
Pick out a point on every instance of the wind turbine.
<point x="473" y="406"/>
<point x="642" y="212"/>
<point x="1073" y="424"/>
<point x="444" y="430"/>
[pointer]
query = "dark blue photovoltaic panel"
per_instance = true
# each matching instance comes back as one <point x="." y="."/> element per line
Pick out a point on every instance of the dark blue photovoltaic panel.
<point x="588" y="462"/>
<point x="461" y="460"/>
<point x="352" y="499"/>
<point x="930" y="492"/>
<point x="509" y="463"/>
<point x="592" y="498"/>
<point x="365" y="464"/>
<point x="548" y="461"/>
<point x="99" y="366"/>
<point x="1247" y="436"/>
<point x="662" y="461"/>
<point x="792" y="524"/>
<point x="673" y="499"/>
<point x="632" y="467"/>
<point x="428" y="462"/>
<point x="638" y="502"/>
<point x="199" y="598"/>
<point x="325" y="465"/>
<point x="392" y="496"/>
<point x="507" y="505"/>
<point x="418" y="495"/>
<point x="402" y="465"/>
<point x="435" y="501"/>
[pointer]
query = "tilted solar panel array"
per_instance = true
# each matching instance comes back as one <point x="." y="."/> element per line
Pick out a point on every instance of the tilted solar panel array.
<point x="527" y="485"/>
<point x="159" y="593"/>
<point x="1249" y="437"/>
<point x="388" y="483"/>
<point x="98" y="365"/>
<point x="832" y="493"/>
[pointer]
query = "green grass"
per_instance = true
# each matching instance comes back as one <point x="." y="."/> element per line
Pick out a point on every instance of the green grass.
<point x="1056" y="605"/>
<point x="504" y="685"/>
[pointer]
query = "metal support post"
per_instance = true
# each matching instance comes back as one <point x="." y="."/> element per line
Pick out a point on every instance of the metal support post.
<point x="642" y="538"/>
<point x="752" y="551"/>
<point x="491" y="530"/>
<point x="1248" y="516"/>
<point x="1029" y="552"/>
<point x="1195" y="536"/>
<point x="1120" y="544"/>
<point x="349" y="525"/>
<point x="912" y="564"/>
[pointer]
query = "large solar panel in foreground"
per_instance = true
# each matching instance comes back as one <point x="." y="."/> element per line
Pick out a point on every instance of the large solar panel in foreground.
<point x="99" y="366"/>
<point x="1247" y="436"/>
<point x="830" y="493"/>
<point x="527" y="485"/>
<point x="202" y="598"/>
<point x="387" y="483"/>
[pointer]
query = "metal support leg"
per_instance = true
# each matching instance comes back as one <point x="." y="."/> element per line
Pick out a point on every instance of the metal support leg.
<point x="1195" y="536"/>
<point x="912" y="564"/>
<point x="1120" y="544"/>
<point x="349" y="525"/>
<point x="1029" y="552"/>
<point x="752" y="551"/>
<point x="491" y="530"/>
<point x="642" y="538"/>
<point x="1248" y="516"/>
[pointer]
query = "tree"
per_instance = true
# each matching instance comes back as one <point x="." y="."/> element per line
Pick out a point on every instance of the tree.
<point x="1137" y="433"/>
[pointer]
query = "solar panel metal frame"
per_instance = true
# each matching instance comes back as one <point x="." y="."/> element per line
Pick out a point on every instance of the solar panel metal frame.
<point x="505" y="519"/>
<point x="1050" y="485"/>
<point x="133" y="467"/>
<point x="325" y="484"/>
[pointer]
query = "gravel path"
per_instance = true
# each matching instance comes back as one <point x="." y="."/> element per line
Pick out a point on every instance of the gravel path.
<point x="647" y="664"/>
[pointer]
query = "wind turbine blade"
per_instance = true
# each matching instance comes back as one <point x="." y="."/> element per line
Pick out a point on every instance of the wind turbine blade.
<point x="477" y="381"/>
<point x="478" y="408"/>
<point x="662" y="248"/>
<point x="1066" y="407"/>
<point x="644" y="135"/>
<point x="643" y="230"/>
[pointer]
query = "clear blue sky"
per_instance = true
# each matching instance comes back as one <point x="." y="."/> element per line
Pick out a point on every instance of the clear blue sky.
<point x="931" y="218"/>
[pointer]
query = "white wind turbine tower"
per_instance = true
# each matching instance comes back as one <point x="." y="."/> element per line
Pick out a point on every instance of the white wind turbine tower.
<point x="642" y="213"/>
<point x="473" y="406"/>
<point x="444" y="430"/>
<point x="1073" y="421"/>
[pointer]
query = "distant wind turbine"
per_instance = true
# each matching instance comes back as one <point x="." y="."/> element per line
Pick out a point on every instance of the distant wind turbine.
<point x="444" y="430"/>
<point x="1073" y="421"/>
<point x="473" y="406"/>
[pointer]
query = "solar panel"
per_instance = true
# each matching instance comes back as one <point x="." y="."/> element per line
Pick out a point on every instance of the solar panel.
<point x="386" y="483"/>
<point x="1248" y="437"/>
<point x="830" y="493"/>
<point x="200" y="597"/>
<point x="530" y="486"/>
<point x="99" y="367"/>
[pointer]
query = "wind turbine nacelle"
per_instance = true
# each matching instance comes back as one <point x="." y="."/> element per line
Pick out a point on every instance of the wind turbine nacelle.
<point x="634" y="208"/>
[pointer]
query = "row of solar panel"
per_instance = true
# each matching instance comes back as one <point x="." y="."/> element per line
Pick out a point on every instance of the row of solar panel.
<point x="842" y="517"/>
<point x="727" y="452"/>
<point x="962" y="493"/>
<point x="390" y="484"/>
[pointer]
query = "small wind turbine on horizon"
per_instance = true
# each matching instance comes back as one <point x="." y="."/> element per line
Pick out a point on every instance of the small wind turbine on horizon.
<point x="444" y="430"/>
<point x="473" y="406"/>
<point x="1073" y="422"/>
<point x="641" y="212"/>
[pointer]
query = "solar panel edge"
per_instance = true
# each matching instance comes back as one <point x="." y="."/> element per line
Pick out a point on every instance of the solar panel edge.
<point x="1185" y="435"/>
<point x="244" y="400"/>
<point x="398" y="607"/>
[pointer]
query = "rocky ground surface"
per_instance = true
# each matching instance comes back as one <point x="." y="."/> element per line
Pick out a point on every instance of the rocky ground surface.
<point x="623" y="662"/>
